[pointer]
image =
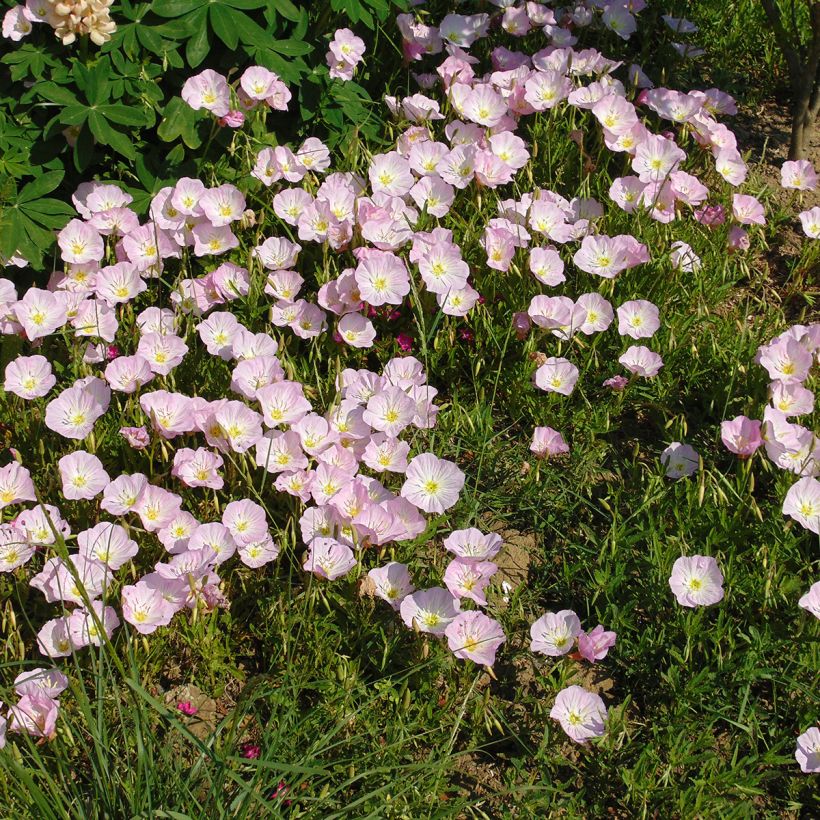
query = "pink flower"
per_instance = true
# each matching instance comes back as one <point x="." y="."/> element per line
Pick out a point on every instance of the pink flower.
<point x="638" y="319"/>
<point x="246" y="521"/>
<point x="807" y="753"/>
<point x="251" y="751"/>
<point x="73" y="413"/>
<point x="786" y="360"/>
<point x="594" y="646"/>
<point x="82" y="475"/>
<point x="329" y="559"/>
<point x="405" y="342"/>
<point x="696" y="581"/>
<point x="810" y="220"/>
<point x="680" y="460"/>
<point x="392" y="583"/>
<point x="741" y="435"/>
<point x="468" y="578"/>
<point x="29" y="377"/>
<point x="711" y="215"/>
<point x="475" y="637"/>
<point x="36" y="715"/>
<point x="811" y="600"/>
<point x="208" y="90"/>
<point x="616" y="382"/>
<point x="641" y="361"/>
<point x="581" y="714"/>
<point x="40" y="312"/>
<point x="187" y="708"/>
<point x="432" y="484"/>
<point x="233" y="119"/>
<point x="80" y="243"/>
<point x="548" y="443"/>
<point x="137" y="437"/>
<point x="128" y="374"/>
<point x="429" y="610"/>
<point x="16" y="23"/>
<point x="748" y="210"/>
<point x="557" y="375"/>
<point x="554" y="633"/>
<point x="798" y="175"/>
<point x="802" y="503"/>
<point x="602" y="255"/>
<point x="551" y="312"/>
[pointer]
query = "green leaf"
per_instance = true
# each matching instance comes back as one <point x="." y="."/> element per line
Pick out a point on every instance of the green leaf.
<point x="123" y="114"/>
<point x="98" y="82"/>
<point x="247" y="5"/>
<point x="179" y="120"/>
<point x="287" y="10"/>
<point x="223" y="23"/>
<point x="74" y="115"/>
<point x="55" y="93"/>
<point x="52" y="213"/>
<point x="83" y="148"/>
<point x="251" y="33"/>
<point x="290" y="48"/>
<point x="198" y="46"/>
<point x="106" y="135"/>
<point x="41" y="186"/>
<point x="176" y="8"/>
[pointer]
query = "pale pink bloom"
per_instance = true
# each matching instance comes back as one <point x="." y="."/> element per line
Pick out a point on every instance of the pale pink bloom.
<point x="356" y="331"/>
<point x="591" y="314"/>
<point x="120" y="283"/>
<point x="696" y="581"/>
<point x="475" y="637"/>
<point x="218" y="332"/>
<point x="390" y="173"/>
<point x="472" y="544"/>
<point x="215" y="537"/>
<point x="432" y="484"/>
<point x="223" y="205"/>
<point x="35" y="715"/>
<point x="786" y="360"/>
<point x="73" y="413"/>
<point x="39" y="681"/>
<point x="684" y="258"/>
<point x="162" y="352"/>
<point x="680" y="460"/>
<point x="137" y="437"/>
<point x="484" y="106"/>
<point x="123" y="493"/>
<point x="198" y="468"/>
<point x="15" y="485"/>
<point x="15" y="547"/>
<point x="627" y="193"/>
<point x="443" y="269"/>
<point x="80" y="243"/>
<point x="280" y="452"/>
<point x="313" y="155"/>
<point x="602" y="255"/>
<point x="802" y="503"/>
<point x="688" y="189"/>
<point x="433" y="194"/>
<point x="392" y="583"/>
<point x="246" y="520"/>
<point x="638" y="319"/>
<point x="641" y="361"/>
<point x="382" y="278"/>
<point x="177" y="534"/>
<point x="82" y="475"/>
<point x="42" y="524"/>
<point x="128" y="374"/>
<point x="170" y="413"/>
<point x="615" y="113"/>
<point x="283" y="403"/>
<point x="258" y="553"/>
<point x="551" y="312"/>
<point x="546" y="89"/>
<point x="208" y="90"/>
<point x="390" y="411"/>
<point x="95" y="318"/>
<point x="748" y="210"/>
<point x="798" y="175"/>
<point x="582" y="714"/>
<point x="329" y="559"/>
<point x="557" y="375"/>
<point x="212" y="240"/>
<point x="555" y="633"/>
<point x="593" y="646"/>
<point x="791" y="399"/>
<point x="87" y="627"/>
<point x="510" y="149"/>
<point x="257" y="82"/>
<point x="145" y="608"/>
<point x="186" y="196"/>
<point x="810" y="220"/>
<point x="29" y="377"/>
<point x="429" y="610"/>
<point x="458" y="302"/>
<point x="87" y="577"/>
<point x="53" y="639"/>
<point x="811" y="600"/>
<point x="807" y="753"/>
<point x="156" y="507"/>
<point x="656" y="158"/>
<point x="741" y="435"/>
<point x="468" y="578"/>
<point x="548" y="443"/>
<point x="108" y="543"/>
<point x="278" y="253"/>
<point x="730" y="165"/>
<point x="457" y="168"/>
<point x="547" y="266"/>
<point x="17" y="24"/>
<point x="40" y="312"/>
<point x="147" y="246"/>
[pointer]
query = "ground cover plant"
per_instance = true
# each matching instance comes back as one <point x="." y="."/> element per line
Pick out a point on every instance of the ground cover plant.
<point x="465" y="468"/>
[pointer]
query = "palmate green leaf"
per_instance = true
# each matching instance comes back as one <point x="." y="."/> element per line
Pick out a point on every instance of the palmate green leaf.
<point x="106" y="135"/>
<point x="41" y="186"/>
<point x="179" y="120"/>
<point x="198" y="46"/>
<point x="51" y="213"/>
<point x="223" y="21"/>
<point x="287" y="9"/>
<point x="176" y="8"/>
<point x="123" y="114"/>
<point x="74" y="115"/>
<point x="246" y="5"/>
<point x="55" y="93"/>
<point x="250" y="32"/>
<point x="291" y="48"/>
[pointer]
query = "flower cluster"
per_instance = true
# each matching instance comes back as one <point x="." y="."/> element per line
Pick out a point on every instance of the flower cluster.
<point x="68" y="18"/>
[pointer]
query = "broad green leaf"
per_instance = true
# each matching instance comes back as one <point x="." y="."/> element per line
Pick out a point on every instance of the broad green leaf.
<point x="41" y="186"/>
<point x="106" y="135"/>
<point x="287" y="10"/>
<point x="74" y="115"/>
<point x="123" y="114"/>
<point x="176" y="8"/>
<point x="198" y="46"/>
<point x="250" y="32"/>
<point x="56" y="93"/>
<point x="247" y="5"/>
<point x="290" y="48"/>
<point x="223" y="22"/>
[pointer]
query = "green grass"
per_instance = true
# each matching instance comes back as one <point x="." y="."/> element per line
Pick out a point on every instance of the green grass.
<point x="362" y="718"/>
